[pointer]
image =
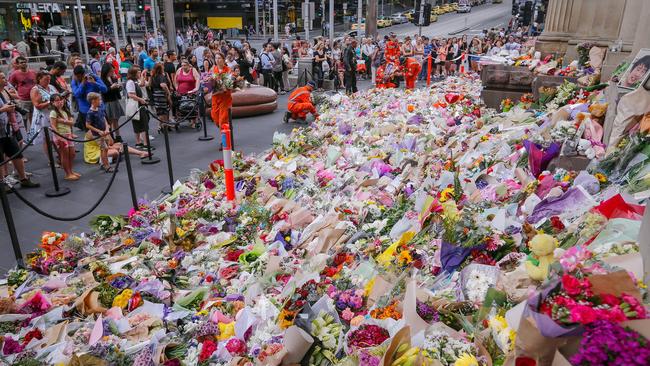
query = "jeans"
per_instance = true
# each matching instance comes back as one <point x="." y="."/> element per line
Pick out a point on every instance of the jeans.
<point x="268" y="79"/>
<point x="279" y="84"/>
<point x="318" y="76"/>
<point x="350" y="80"/>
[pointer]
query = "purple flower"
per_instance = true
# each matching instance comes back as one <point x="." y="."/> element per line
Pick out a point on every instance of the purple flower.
<point x="606" y="343"/>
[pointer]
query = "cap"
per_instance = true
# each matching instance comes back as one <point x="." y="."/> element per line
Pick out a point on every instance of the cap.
<point x="312" y="84"/>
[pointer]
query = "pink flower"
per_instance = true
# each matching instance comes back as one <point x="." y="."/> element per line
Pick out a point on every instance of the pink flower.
<point x="610" y="299"/>
<point x="236" y="346"/>
<point x="347" y="314"/>
<point x="571" y="285"/>
<point x="615" y="315"/>
<point x="583" y="314"/>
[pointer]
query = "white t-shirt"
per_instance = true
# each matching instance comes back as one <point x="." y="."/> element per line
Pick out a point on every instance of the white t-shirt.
<point x="130" y="86"/>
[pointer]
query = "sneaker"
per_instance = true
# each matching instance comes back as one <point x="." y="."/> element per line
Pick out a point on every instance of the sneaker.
<point x="287" y="117"/>
<point x="27" y="183"/>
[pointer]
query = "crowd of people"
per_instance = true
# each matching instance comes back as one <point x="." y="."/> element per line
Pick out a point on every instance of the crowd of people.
<point x="118" y="83"/>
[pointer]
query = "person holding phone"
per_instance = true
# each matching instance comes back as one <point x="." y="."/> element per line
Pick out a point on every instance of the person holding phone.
<point x="83" y="84"/>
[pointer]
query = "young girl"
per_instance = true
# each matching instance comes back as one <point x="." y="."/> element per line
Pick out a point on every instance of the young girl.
<point x="61" y="121"/>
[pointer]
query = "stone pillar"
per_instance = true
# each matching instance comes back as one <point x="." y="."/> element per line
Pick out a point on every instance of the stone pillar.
<point x="558" y="26"/>
<point x="641" y="39"/>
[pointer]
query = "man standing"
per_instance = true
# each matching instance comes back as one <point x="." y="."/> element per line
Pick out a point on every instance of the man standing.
<point x="267" y="60"/>
<point x="350" y="63"/>
<point x="150" y="60"/>
<point x="198" y="52"/>
<point x="140" y="54"/>
<point x="82" y="84"/>
<point x="56" y="77"/>
<point x="24" y="80"/>
<point x="95" y="64"/>
<point x="367" y="50"/>
<point x="277" y="69"/>
<point x="180" y="42"/>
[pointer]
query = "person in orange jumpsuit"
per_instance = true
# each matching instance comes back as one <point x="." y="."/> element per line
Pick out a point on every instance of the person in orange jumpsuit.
<point x="412" y="69"/>
<point x="387" y="75"/>
<point x="221" y="100"/>
<point x="300" y="103"/>
<point x="392" y="52"/>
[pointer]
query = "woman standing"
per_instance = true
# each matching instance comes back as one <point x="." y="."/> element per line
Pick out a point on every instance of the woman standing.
<point x="187" y="82"/>
<point x="134" y="85"/>
<point x="319" y="58"/>
<point x="62" y="122"/>
<point x="208" y="61"/>
<point x="450" y="64"/>
<point x="407" y="47"/>
<point x="161" y="94"/>
<point x="475" y="50"/>
<point x="40" y="96"/>
<point x="245" y="64"/>
<point x="221" y="99"/>
<point x="112" y="103"/>
<point x="441" y="58"/>
<point x="286" y="66"/>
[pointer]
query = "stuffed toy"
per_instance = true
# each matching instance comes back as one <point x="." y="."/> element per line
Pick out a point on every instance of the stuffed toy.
<point x="541" y="257"/>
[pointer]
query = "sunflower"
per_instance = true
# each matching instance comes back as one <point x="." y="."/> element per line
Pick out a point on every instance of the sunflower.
<point x="601" y="177"/>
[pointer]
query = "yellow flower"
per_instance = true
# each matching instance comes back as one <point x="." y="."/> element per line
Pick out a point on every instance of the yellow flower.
<point x="385" y="257"/>
<point x="513" y="337"/>
<point x="122" y="300"/>
<point x="450" y="210"/>
<point x="601" y="177"/>
<point x="405" y="257"/>
<point x="446" y="194"/>
<point x="369" y="286"/>
<point x="641" y="285"/>
<point x="180" y="232"/>
<point x="129" y="241"/>
<point x="226" y="331"/>
<point x="466" y="360"/>
<point x="498" y="322"/>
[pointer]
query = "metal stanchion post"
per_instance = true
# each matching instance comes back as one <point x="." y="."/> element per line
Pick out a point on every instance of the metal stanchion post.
<point x="205" y="136"/>
<point x="169" y="164"/>
<point x="129" y="172"/>
<point x="58" y="191"/>
<point x="150" y="159"/>
<point x="10" y="226"/>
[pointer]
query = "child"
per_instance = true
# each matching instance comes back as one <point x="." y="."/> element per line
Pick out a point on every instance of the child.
<point x="96" y="124"/>
<point x="61" y="121"/>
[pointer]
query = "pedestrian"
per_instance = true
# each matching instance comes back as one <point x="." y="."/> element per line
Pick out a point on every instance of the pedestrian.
<point x="140" y="120"/>
<point x="125" y="65"/>
<point x="180" y="42"/>
<point x="221" y="99"/>
<point x="245" y="62"/>
<point x="187" y="82"/>
<point x="278" y="68"/>
<point x="40" y="96"/>
<point x="159" y="85"/>
<point x="82" y="84"/>
<point x="24" y="79"/>
<point x="112" y="100"/>
<point x="99" y="131"/>
<point x="287" y="65"/>
<point x="350" y="63"/>
<point x="9" y="148"/>
<point x="267" y="61"/>
<point x="317" y="64"/>
<point x="60" y="44"/>
<point x="61" y="121"/>
<point x="111" y="58"/>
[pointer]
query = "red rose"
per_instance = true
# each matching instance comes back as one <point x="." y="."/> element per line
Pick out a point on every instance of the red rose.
<point x="525" y="361"/>
<point x="233" y="255"/>
<point x="557" y="223"/>
<point x="207" y="350"/>
<point x="583" y="314"/>
<point x="228" y="272"/>
<point x="236" y="347"/>
<point x="610" y="299"/>
<point x="571" y="285"/>
<point x="452" y="98"/>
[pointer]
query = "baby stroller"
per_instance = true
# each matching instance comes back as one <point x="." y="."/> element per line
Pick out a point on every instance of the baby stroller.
<point x="186" y="110"/>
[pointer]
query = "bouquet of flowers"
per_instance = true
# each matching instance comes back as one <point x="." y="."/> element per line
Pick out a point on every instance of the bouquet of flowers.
<point x="327" y="331"/>
<point x="107" y="225"/>
<point x="606" y="343"/>
<point x="441" y="346"/>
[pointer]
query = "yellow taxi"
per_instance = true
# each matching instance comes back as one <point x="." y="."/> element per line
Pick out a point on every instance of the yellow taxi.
<point x="355" y="25"/>
<point x="446" y="8"/>
<point x="409" y="15"/>
<point x="436" y="10"/>
<point x="433" y="18"/>
<point x="383" y="22"/>
<point x="454" y="6"/>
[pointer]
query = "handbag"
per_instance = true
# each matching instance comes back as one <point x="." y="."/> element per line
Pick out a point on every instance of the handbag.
<point x="132" y="109"/>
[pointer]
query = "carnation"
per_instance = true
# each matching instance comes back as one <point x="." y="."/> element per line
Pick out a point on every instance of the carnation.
<point x="606" y="343"/>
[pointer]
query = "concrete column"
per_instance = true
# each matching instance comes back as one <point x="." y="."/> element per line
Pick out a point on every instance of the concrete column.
<point x="170" y="24"/>
<point x="371" y="19"/>
<point x="641" y="39"/>
<point x="115" y="29"/>
<point x="632" y="16"/>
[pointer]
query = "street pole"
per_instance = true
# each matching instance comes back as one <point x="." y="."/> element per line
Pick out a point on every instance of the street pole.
<point x="264" y="19"/>
<point x="84" y="41"/>
<point x="359" y="15"/>
<point x="257" y="17"/>
<point x="331" y="23"/>
<point x="115" y="31"/>
<point x="152" y="12"/>
<point x="306" y="16"/>
<point x="170" y="25"/>
<point x="77" y="30"/>
<point x="121" y="16"/>
<point x="421" y="21"/>
<point x="382" y="7"/>
<point x="275" y="21"/>
<point x="322" y="18"/>
<point x="371" y="19"/>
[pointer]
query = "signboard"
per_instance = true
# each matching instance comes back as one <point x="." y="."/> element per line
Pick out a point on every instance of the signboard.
<point x="225" y="22"/>
<point x="38" y="8"/>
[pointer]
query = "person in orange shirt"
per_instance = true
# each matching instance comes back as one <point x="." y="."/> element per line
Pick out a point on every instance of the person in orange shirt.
<point x="392" y="52"/>
<point x="412" y="69"/>
<point x="300" y="103"/>
<point x="221" y="100"/>
<point x="387" y="75"/>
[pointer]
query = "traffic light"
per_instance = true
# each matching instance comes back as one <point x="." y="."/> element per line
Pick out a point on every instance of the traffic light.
<point x="515" y="7"/>
<point x="36" y="18"/>
<point x="528" y="13"/>
<point x="426" y="19"/>
<point x="427" y="15"/>
<point x="140" y="4"/>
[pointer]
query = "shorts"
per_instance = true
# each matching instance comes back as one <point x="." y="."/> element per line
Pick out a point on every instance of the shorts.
<point x="62" y="143"/>
<point x="18" y="135"/>
<point x="103" y="143"/>
<point x="9" y="147"/>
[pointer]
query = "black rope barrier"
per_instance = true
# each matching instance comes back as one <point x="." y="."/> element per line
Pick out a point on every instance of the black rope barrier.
<point x="27" y="145"/>
<point x="98" y="137"/>
<point x="57" y="218"/>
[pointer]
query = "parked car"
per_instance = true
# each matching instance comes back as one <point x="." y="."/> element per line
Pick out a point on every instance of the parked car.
<point x="59" y="30"/>
<point x="93" y="42"/>
<point x="433" y="18"/>
<point x="35" y="29"/>
<point x="383" y="22"/>
<point x="409" y="15"/>
<point x="399" y="18"/>
<point x="355" y="25"/>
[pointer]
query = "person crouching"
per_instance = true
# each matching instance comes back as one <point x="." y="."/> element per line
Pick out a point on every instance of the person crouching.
<point x="300" y="104"/>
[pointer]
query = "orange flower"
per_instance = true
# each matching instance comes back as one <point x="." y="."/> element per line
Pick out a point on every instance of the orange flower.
<point x="286" y="318"/>
<point x="410" y="108"/>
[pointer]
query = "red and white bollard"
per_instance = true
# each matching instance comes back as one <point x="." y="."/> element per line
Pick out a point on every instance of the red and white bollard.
<point x="226" y="143"/>
<point x="462" y="63"/>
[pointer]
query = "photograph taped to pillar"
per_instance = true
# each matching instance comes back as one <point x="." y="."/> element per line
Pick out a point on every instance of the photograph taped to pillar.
<point x="637" y="72"/>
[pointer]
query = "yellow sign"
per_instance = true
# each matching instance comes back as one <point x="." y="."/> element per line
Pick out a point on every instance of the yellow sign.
<point x="224" y="22"/>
